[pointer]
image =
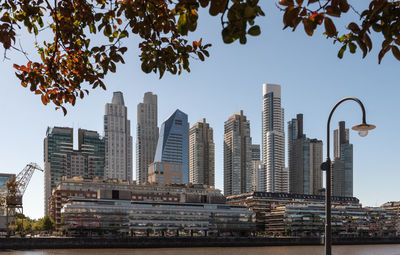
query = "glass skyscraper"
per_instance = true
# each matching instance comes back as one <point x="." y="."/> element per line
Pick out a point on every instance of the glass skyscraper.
<point x="305" y="158"/>
<point x="342" y="170"/>
<point x="173" y="142"/>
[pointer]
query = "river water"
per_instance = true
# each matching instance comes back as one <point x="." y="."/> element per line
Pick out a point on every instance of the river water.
<point x="272" y="250"/>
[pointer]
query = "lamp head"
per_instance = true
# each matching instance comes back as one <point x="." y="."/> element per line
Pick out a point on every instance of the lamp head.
<point x="363" y="129"/>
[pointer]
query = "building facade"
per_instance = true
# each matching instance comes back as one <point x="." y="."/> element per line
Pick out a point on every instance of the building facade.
<point x="61" y="160"/>
<point x="273" y="140"/>
<point x="165" y="173"/>
<point x="92" y="145"/>
<point x="118" y="139"/>
<point x="96" y="188"/>
<point x="173" y="142"/>
<point x="58" y="146"/>
<point x="237" y="155"/>
<point x="201" y="154"/>
<point x="305" y="159"/>
<point x="342" y="167"/>
<point x="283" y="214"/>
<point x="159" y="218"/>
<point x="146" y="135"/>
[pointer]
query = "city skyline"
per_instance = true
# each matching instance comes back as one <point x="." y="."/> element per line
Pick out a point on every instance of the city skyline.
<point x="313" y="79"/>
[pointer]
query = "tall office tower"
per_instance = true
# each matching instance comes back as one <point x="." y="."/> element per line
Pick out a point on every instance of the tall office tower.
<point x="342" y="167"/>
<point x="58" y="145"/>
<point x="255" y="152"/>
<point x="117" y="134"/>
<point x="273" y="140"/>
<point x="93" y="147"/>
<point x="305" y="158"/>
<point x="146" y="135"/>
<point x="255" y="163"/>
<point x="173" y="142"/>
<point x="237" y="155"/>
<point x="201" y="154"/>
<point x="257" y="176"/>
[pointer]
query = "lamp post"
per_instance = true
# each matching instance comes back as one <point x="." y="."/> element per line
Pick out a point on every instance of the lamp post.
<point x="362" y="129"/>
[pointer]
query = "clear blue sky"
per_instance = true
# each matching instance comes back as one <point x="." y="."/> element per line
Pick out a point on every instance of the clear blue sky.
<point x="313" y="79"/>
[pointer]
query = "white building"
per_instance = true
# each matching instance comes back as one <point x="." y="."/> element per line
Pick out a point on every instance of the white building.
<point x="117" y="133"/>
<point x="273" y="140"/>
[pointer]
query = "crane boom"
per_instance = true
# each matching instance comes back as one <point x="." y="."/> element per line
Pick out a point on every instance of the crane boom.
<point x="25" y="176"/>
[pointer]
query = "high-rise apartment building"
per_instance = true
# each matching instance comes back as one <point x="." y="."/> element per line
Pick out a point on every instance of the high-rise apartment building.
<point x="237" y="155"/>
<point x="305" y="159"/>
<point x="93" y="146"/>
<point x="117" y="134"/>
<point x="146" y="135"/>
<point x="58" y="145"/>
<point x="173" y="142"/>
<point x="342" y="167"/>
<point x="201" y="154"/>
<point x="60" y="159"/>
<point x="256" y="167"/>
<point x="273" y="140"/>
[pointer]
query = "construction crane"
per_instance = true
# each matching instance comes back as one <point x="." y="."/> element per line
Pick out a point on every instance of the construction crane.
<point x="15" y="190"/>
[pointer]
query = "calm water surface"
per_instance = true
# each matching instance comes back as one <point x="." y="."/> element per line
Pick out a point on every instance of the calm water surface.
<point x="284" y="250"/>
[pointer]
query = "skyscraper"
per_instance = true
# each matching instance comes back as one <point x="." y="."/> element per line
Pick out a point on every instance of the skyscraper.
<point x="117" y="134"/>
<point x="305" y="158"/>
<point x="237" y="155"/>
<point x="273" y="140"/>
<point x="91" y="144"/>
<point x="173" y="142"/>
<point x="342" y="167"/>
<point x="255" y="168"/>
<point x="60" y="159"/>
<point x="146" y="135"/>
<point x="201" y="154"/>
<point x="58" y="145"/>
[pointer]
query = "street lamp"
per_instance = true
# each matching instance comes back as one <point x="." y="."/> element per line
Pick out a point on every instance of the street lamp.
<point x="362" y="129"/>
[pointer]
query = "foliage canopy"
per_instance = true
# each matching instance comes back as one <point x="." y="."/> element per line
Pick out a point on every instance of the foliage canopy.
<point x="74" y="56"/>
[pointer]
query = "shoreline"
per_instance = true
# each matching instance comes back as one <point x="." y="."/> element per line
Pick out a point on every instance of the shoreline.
<point x="176" y="242"/>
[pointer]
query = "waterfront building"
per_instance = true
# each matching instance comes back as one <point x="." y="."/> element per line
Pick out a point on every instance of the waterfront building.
<point x="305" y="159"/>
<point x="173" y="142"/>
<point x="237" y="155"/>
<point x="165" y="173"/>
<point x="201" y="154"/>
<point x="146" y="135"/>
<point x="124" y="216"/>
<point x="342" y="167"/>
<point x="306" y="219"/>
<point x="118" y="139"/>
<point x="262" y="203"/>
<point x="273" y="140"/>
<point x="394" y="206"/>
<point x="91" y="188"/>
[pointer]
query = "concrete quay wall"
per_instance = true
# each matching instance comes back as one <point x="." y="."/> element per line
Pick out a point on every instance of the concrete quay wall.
<point x="173" y="242"/>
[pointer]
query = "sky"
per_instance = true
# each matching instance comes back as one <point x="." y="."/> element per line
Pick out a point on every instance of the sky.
<point x="313" y="79"/>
